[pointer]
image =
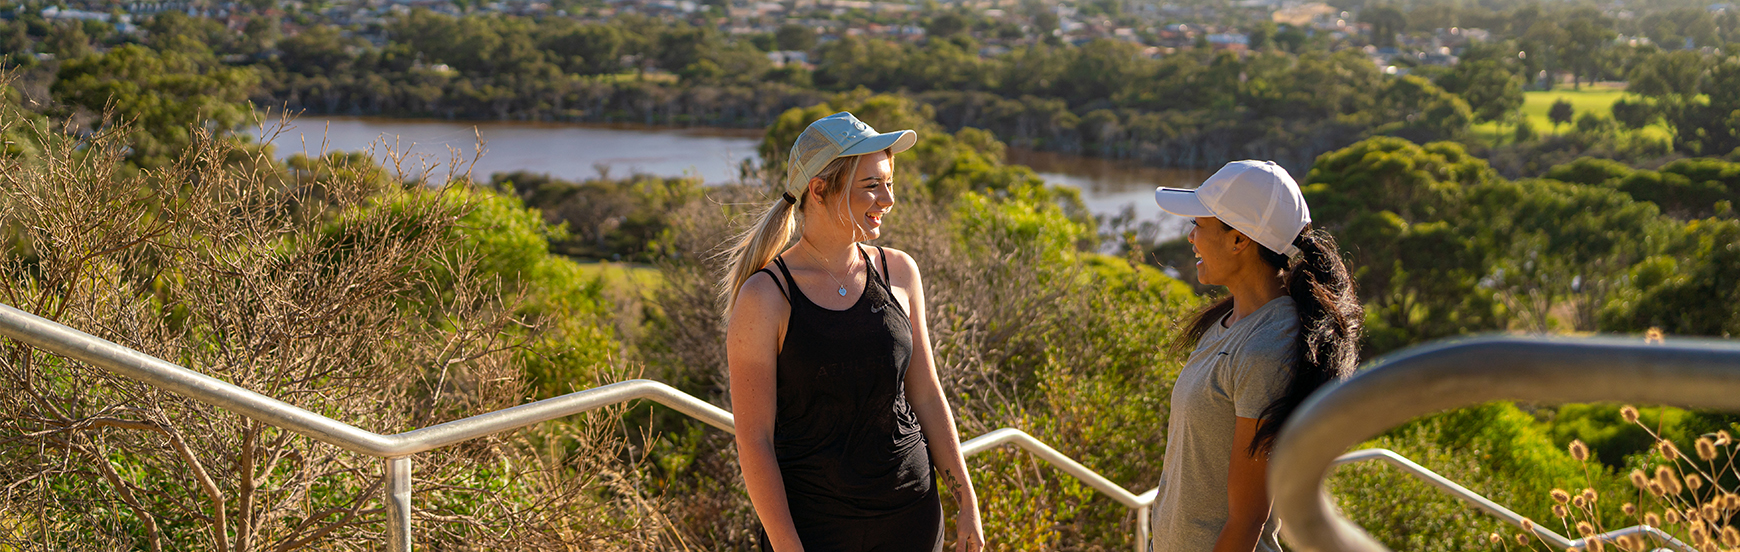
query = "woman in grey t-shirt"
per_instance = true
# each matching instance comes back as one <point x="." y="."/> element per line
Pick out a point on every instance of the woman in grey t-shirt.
<point x="1290" y="324"/>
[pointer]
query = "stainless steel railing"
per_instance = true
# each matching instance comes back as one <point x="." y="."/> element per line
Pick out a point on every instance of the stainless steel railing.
<point x="1504" y="514"/>
<point x="1432" y="378"/>
<point x="396" y="450"/>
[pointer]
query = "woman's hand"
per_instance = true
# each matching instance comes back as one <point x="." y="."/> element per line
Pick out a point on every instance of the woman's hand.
<point x="970" y="534"/>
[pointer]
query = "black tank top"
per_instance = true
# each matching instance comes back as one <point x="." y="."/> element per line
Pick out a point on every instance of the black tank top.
<point x="848" y="444"/>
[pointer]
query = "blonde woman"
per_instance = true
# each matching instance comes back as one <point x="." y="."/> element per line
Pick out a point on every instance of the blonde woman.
<point x="840" y="416"/>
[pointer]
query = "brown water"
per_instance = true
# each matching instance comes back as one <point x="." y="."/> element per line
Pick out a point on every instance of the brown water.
<point x="579" y="151"/>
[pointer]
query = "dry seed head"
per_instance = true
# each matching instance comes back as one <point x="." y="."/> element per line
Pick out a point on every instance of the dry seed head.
<point x="1706" y="449"/>
<point x="1694" y="482"/>
<point x="1631" y="542"/>
<point x="1667" y="450"/>
<point x="1560" y="496"/>
<point x="1710" y="512"/>
<point x="1656" y="489"/>
<point x="1692" y="514"/>
<point x="1722" y="438"/>
<point x="1653" y="335"/>
<point x="1629" y="509"/>
<point x="1595" y="545"/>
<point x="1673" y="517"/>
<point x="1699" y="539"/>
<point x="1589" y="495"/>
<point x="1639" y="479"/>
<point x="1669" y="483"/>
<point x="1528" y="525"/>
<point x="1579" y="502"/>
<point x="1731" y="502"/>
<point x="1730" y="537"/>
<point x="1494" y="538"/>
<point x="1579" y="451"/>
<point x="1629" y="413"/>
<point x="1585" y="529"/>
<point x="1560" y="511"/>
<point x="1522" y="539"/>
<point x="1652" y="519"/>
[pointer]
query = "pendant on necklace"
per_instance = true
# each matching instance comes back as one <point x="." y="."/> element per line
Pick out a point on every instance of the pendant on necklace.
<point x="842" y="292"/>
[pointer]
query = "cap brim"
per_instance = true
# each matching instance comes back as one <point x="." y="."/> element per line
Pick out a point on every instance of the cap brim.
<point x="897" y="141"/>
<point x="1181" y="201"/>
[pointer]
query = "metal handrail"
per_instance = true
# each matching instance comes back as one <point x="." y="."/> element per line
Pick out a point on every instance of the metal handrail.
<point x="396" y="450"/>
<point x="1431" y="378"/>
<point x="1505" y="514"/>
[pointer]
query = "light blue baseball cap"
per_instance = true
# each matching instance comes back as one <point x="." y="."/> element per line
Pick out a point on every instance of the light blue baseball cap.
<point x="835" y="136"/>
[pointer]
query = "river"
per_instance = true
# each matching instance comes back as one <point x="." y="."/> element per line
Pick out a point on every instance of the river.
<point x="580" y="151"/>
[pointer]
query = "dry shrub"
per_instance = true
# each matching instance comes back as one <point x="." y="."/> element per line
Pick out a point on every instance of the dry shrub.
<point x="349" y="293"/>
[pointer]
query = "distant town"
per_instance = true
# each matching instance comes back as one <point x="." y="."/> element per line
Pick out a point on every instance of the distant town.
<point x="997" y="26"/>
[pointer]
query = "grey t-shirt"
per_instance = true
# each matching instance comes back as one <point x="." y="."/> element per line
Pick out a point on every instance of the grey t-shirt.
<point x="1233" y="373"/>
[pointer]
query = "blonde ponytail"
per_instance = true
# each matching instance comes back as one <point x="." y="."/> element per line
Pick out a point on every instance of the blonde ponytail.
<point x="756" y="247"/>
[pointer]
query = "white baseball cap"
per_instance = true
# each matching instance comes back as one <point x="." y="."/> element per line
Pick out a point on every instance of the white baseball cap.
<point x="835" y="136"/>
<point x="1257" y="198"/>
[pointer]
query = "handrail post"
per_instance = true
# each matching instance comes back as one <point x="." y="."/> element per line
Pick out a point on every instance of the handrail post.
<point x="1142" y="528"/>
<point x="398" y="499"/>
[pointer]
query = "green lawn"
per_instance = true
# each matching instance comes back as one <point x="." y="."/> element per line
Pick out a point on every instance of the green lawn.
<point x="1599" y="100"/>
<point x="624" y="276"/>
<point x="631" y="76"/>
<point x="1536" y="103"/>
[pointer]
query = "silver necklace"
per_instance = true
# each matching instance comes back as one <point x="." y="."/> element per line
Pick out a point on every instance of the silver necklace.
<point x="829" y="272"/>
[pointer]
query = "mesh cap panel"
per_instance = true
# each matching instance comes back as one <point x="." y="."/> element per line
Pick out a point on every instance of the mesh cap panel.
<point x="812" y="151"/>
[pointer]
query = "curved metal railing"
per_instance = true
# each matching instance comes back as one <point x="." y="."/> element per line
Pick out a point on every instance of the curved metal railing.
<point x="1432" y="378"/>
<point x="396" y="450"/>
<point x="1504" y="514"/>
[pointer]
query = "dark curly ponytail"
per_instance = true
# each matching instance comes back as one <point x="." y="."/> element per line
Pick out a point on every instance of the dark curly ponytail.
<point x="1330" y="322"/>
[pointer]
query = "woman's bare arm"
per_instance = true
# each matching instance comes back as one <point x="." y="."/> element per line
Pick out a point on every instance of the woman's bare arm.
<point x="924" y="392"/>
<point x="752" y="349"/>
<point x="1247" y="493"/>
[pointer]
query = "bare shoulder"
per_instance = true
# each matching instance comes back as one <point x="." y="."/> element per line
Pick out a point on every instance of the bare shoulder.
<point x="760" y="294"/>
<point x="901" y="266"/>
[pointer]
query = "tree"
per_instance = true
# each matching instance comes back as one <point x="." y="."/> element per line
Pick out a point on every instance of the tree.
<point x="1560" y="113"/>
<point x="1586" y="32"/>
<point x="1421" y="111"/>
<point x="795" y="37"/>
<point x="1689" y="289"/>
<point x="168" y="95"/>
<point x="946" y="24"/>
<point x="68" y="41"/>
<point x="1553" y="244"/>
<point x="1490" y="89"/>
<point x="1263" y="36"/>
<point x="585" y="49"/>
<point x="1676" y="73"/>
<point x="1633" y="113"/>
<point x="1395" y="208"/>
<point x="1386" y="22"/>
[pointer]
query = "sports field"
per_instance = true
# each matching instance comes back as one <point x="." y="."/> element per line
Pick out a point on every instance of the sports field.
<point x="1598" y="99"/>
